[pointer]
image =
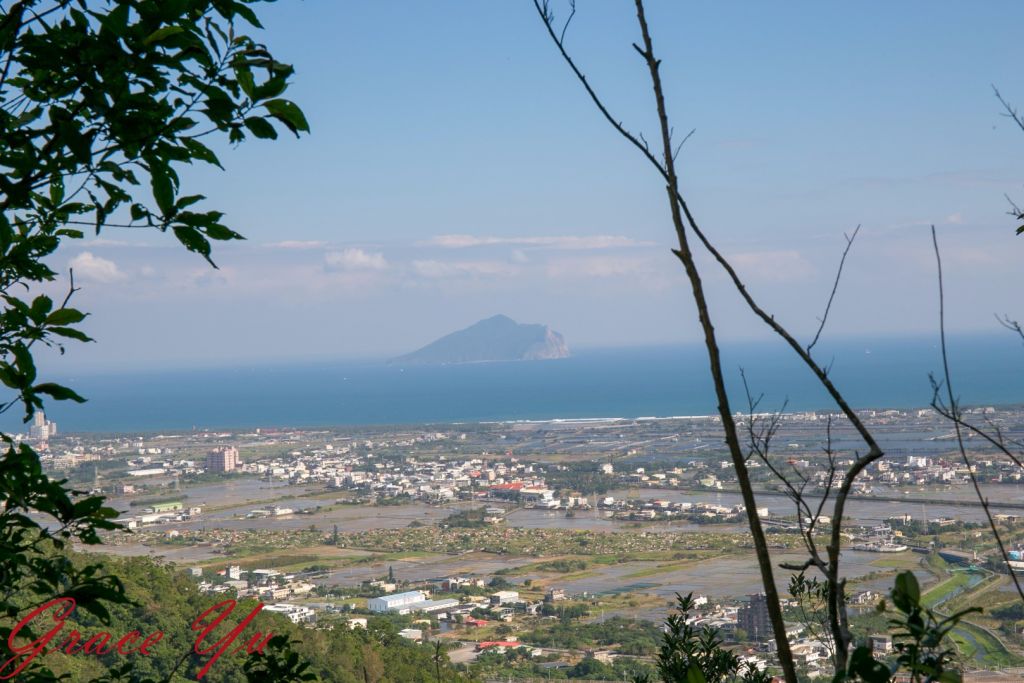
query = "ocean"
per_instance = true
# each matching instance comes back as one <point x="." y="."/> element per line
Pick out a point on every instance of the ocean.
<point x="661" y="381"/>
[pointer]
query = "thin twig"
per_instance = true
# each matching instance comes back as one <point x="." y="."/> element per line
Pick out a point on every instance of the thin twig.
<point x="1010" y="112"/>
<point x="835" y="287"/>
<point x="956" y="423"/>
<point x="666" y="168"/>
<point x="685" y="256"/>
<point x="682" y="142"/>
<point x="874" y="451"/>
<point x="1011" y="325"/>
<point x="572" y="5"/>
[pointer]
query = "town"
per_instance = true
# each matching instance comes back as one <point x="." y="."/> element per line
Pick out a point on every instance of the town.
<point x="493" y="537"/>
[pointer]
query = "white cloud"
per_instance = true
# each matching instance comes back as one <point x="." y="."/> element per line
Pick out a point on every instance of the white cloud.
<point x="564" y="242"/>
<point x="600" y="267"/>
<point x="88" y="266"/>
<point x="297" y="244"/>
<point x="955" y="218"/>
<point x="208" y="277"/>
<point x="442" y="269"/>
<point x="106" y="242"/>
<point x="786" y="265"/>
<point x="355" y="259"/>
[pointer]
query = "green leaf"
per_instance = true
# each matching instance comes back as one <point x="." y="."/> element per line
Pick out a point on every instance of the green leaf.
<point x="58" y="391"/>
<point x="906" y="593"/>
<point x="9" y="377"/>
<point x="71" y="333"/>
<point x="117" y="20"/>
<point x="273" y="87"/>
<point x="200" y="151"/>
<point x="193" y="240"/>
<point x="138" y="212"/>
<point x="216" y="231"/>
<point x="247" y="14"/>
<point x="289" y="114"/>
<point x="24" y="362"/>
<point x="863" y="665"/>
<point x="41" y="306"/>
<point x="260" y="127"/>
<point x="162" y="33"/>
<point x="246" y="81"/>
<point x="65" y="316"/>
<point x="189" y="200"/>
<point x="695" y="675"/>
<point x="163" y="189"/>
<point x="57" y="191"/>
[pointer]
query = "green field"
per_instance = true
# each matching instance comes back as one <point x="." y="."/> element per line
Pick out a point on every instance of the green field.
<point x="978" y="644"/>
<point x="942" y="590"/>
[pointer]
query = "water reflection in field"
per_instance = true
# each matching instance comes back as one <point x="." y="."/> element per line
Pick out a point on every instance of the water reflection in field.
<point x="429" y="567"/>
<point x="918" y="504"/>
<point x="226" y="505"/>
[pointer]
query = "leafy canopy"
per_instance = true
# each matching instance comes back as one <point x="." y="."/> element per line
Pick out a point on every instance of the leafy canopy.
<point x="102" y="103"/>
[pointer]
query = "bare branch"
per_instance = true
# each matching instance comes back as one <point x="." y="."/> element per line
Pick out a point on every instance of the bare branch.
<point x="802" y="567"/>
<point x="682" y="142"/>
<point x="835" y="287"/>
<point x="957" y="417"/>
<point x="545" y="14"/>
<point x="955" y="411"/>
<point x="682" y="219"/>
<point x="1010" y="112"/>
<point x="572" y="5"/>
<point x="1011" y="325"/>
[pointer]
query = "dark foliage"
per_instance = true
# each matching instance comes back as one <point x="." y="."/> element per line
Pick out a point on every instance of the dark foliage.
<point x="101" y="104"/>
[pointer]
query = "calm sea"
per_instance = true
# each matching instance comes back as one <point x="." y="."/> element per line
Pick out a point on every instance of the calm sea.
<point x="634" y="382"/>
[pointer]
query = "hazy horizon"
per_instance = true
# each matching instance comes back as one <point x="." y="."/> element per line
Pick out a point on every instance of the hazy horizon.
<point x="68" y="367"/>
<point x="455" y="170"/>
<point x="660" y="381"/>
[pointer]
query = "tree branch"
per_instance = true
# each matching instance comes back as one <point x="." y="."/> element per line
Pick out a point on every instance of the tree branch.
<point x="835" y="287"/>
<point x="954" y="409"/>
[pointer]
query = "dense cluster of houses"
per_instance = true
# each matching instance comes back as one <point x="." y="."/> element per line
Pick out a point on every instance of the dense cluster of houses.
<point x="266" y="585"/>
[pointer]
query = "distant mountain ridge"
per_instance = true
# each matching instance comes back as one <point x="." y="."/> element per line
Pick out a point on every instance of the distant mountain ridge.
<point x="498" y="338"/>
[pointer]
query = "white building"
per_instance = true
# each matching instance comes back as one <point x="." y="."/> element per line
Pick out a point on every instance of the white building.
<point x="149" y="472"/>
<point x="42" y="429"/>
<point x="393" y="603"/>
<point x="504" y="597"/>
<point x="297" y="613"/>
<point x="407" y="603"/>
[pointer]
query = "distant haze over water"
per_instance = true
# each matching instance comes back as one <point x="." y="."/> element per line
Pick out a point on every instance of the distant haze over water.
<point x="636" y="382"/>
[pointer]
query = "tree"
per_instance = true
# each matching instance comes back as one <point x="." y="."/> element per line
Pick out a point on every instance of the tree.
<point x="751" y="437"/>
<point x="1011" y="113"/>
<point x="919" y="638"/>
<point x="692" y="655"/>
<point x="439" y="657"/>
<point x="101" y="104"/>
<point x="663" y="159"/>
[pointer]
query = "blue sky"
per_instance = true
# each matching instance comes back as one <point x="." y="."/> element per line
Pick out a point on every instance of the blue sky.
<point x="456" y="170"/>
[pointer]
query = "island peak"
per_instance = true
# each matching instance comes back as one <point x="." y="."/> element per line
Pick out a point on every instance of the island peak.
<point x="498" y="338"/>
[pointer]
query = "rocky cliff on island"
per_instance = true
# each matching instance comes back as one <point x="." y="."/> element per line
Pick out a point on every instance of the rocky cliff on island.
<point x="498" y="338"/>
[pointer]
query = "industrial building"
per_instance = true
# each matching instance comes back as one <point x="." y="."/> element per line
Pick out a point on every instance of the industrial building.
<point x="409" y="602"/>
